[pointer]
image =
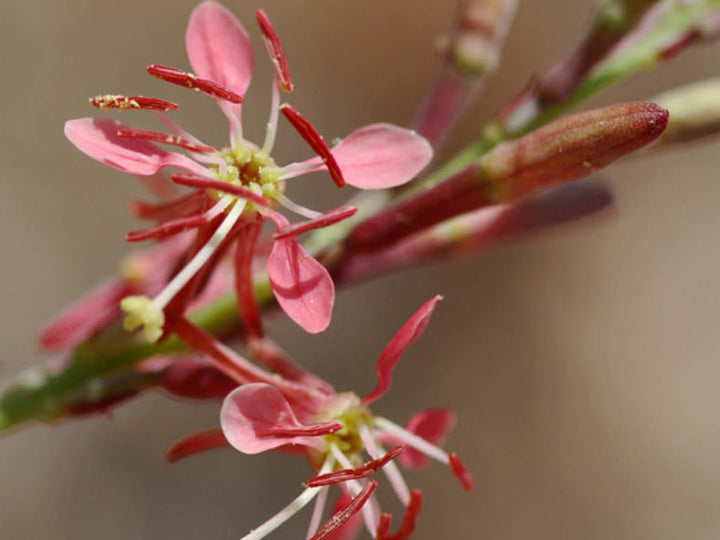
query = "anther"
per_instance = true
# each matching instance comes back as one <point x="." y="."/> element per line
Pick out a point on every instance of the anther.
<point x="272" y="43"/>
<point x="164" y="138"/>
<point x="116" y="101"/>
<point x="188" y="80"/>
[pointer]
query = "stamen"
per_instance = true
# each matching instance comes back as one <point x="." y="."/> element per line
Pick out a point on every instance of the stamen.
<point x="181" y="78"/>
<point x="116" y="101"/>
<point x="300" y="169"/>
<point x="158" y="136"/>
<point x="461" y="472"/>
<point x="272" y="43"/>
<point x="340" y="517"/>
<point x="177" y="129"/>
<point x="272" y="124"/>
<point x="391" y="470"/>
<point x="413" y="440"/>
<point x="315" y="141"/>
<point x="290" y="510"/>
<point x="313" y="430"/>
<point x="202" y="256"/>
<point x="317" y="513"/>
<point x="357" y="473"/>
<point x="195" y="443"/>
<point x="196" y="181"/>
<point x="370" y="512"/>
<point x="409" y="518"/>
<point x="143" y="312"/>
<point x="383" y="526"/>
<point x="297" y="208"/>
<point x="166" y="229"/>
<point x="324" y="220"/>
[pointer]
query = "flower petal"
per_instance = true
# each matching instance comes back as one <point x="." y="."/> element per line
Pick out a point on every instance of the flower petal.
<point x="98" y="139"/>
<point x="302" y="286"/>
<point x="433" y="425"/>
<point x="219" y="48"/>
<point x="406" y="336"/>
<point x="381" y="156"/>
<point x="252" y="412"/>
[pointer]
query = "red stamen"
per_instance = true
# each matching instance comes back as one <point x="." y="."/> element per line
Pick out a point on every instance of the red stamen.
<point x="192" y="180"/>
<point x="327" y="219"/>
<point x="165" y="138"/>
<point x="407" y="528"/>
<point x="168" y="228"/>
<point x="461" y="473"/>
<point x="363" y="471"/>
<point x="315" y="141"/>
<point x="188" y="204"/>
<point x="383" y="527"/>
<point x="244" y="286"/>
<point x="272" y="43"/>
<point x="195" y="443"/>
<point x="341" y="516"/>
<point x="181" y="78"/>
<point x="114" y="101"/>
<point x="314" y="430"/>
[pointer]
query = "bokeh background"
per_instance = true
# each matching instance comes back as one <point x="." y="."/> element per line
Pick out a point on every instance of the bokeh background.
<point x="583" y="365"/>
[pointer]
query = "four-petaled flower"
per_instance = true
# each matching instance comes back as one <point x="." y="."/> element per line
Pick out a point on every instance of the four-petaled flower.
<point x="237" y="187"/>
<point x="300" y="413"/>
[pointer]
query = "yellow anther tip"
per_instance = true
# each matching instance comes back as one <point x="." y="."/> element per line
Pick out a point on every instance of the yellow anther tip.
<point x="143" y="312"/>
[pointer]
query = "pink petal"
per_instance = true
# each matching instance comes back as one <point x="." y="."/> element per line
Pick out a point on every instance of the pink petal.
<point x="433" y="425"/>
<point x="302" y="286"/>
<point x="98" y="139"/>
<point x="252" y="412"/>
<point x="406" y="336"/>
<point x="219" y="48"/>
<point x="380" y="156"/>
<point x="91" y="313"/>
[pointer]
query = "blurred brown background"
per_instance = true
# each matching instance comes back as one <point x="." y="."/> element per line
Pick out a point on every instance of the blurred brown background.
<point x="583" y="365"/>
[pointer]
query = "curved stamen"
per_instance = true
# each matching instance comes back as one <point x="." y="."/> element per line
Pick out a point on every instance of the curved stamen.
<point x="324" y="220"/>
<point x="277" y="56"/>
<point x="290" y="510"/>
<point x="272" y="124"/>
<point x="164" y="138"/>
<point x="313" y="138"/>
<point x="339" y="518"/>
<point x="313" y="430"/>
<point x="188" y="80"/>
<point x="166" y="229"/>
<point x="370" y="512"/>
<point x="391" y="469"/>
<point x="298" y="208"/>
<point x="201" y="182"/>
<point x="181" y="206"/>
<point x="116" y="101"/>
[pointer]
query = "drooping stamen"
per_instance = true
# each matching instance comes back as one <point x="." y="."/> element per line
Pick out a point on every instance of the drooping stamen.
<point x="339" y="518"/>
<point x="195" y="443"/>
<point x="196" y="181"/>
<point x="391" y="469"/>
<point x="187" y="204"/>
<point x="313" y="138"/>
<point x="407" y="527"/>
<point x="461" y="473"/>
<point x="166" y="229"/>
<point x="325" y="220"/>
<point x="244" y="286"/>
<point x="165" y="138"/>
<point x="177" y="129"/>
<point x="357" y="473"/>
<point x="290" y="510"/>
<point x="202" y="256"/>
<point x="116" y="101"/>
<point x="272" y="43"/>
<point x="312" y="430"/>
<point x="181" y="78"/>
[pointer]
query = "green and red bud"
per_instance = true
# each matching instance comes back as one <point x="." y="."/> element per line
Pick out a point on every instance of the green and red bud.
<point x="563" y="151"/>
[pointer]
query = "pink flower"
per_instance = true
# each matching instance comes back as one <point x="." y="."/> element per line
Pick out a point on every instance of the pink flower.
<point x="239" y="186"/>
<point x="341" y="437"/>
